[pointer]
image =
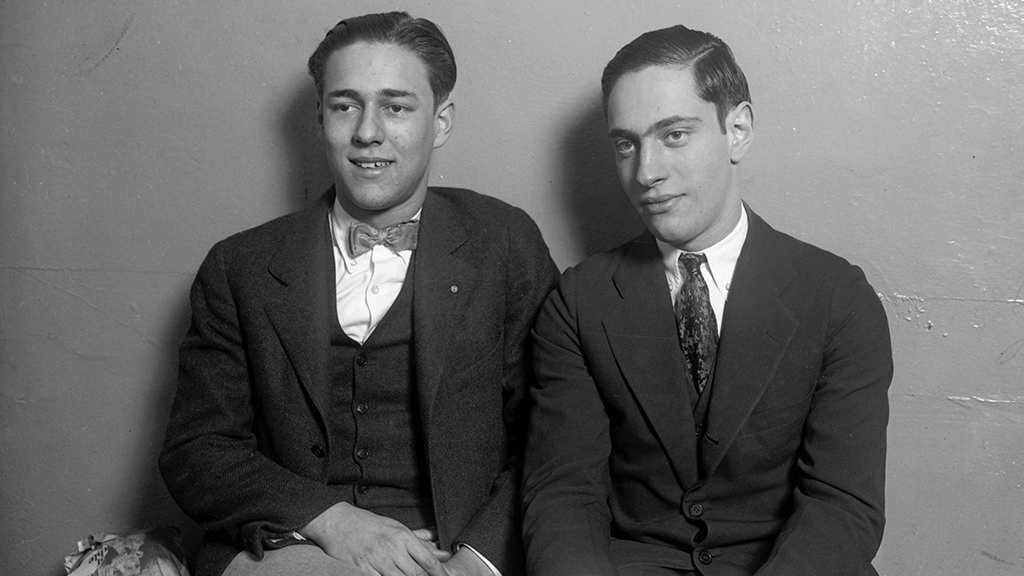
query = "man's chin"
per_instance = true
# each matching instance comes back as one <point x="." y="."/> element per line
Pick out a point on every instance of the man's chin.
<point x="669" y="232"/>
<point x="371" y="198"/>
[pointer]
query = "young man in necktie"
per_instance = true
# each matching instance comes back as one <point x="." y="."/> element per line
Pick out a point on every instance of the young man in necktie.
<point x="711" y="397"/>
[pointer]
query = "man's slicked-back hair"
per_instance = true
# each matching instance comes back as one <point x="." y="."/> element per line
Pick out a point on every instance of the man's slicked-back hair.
<point x="419" y="35"/>
<point x="717" y="77"/>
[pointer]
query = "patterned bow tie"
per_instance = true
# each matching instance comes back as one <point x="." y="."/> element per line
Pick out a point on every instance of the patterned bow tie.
<point x="363" y="237"/>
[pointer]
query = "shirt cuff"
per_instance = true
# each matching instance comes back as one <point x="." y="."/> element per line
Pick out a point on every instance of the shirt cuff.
<point x="461" y="545"/>
<point x="289" y="536"/>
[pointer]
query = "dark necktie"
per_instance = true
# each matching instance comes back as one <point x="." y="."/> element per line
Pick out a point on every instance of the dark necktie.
<point x="363" y="237"/>
<point x="698" y="330"/>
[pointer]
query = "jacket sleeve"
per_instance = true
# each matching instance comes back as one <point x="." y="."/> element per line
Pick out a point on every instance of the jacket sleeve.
<point x="494" y="530"/>
<point x="210" y="462"/>
<point x="838" y="502"/>
<point x="566" y="517"/>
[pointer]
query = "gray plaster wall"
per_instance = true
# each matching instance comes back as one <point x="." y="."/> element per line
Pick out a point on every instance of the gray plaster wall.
<point x="133" y="135"/>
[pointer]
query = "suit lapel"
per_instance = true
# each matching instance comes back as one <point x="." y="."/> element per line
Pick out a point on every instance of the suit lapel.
<point x="642" y="334"/>
<point x="757" y="329"/>
<point x="299" y="308"/>
<point x="442" y="285"/>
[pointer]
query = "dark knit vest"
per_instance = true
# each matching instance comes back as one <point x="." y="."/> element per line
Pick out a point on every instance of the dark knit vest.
<point x="378" y="457"/>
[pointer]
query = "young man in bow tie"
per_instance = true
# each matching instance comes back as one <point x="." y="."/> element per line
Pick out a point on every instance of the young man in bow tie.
<point x="711" y="397"/>
<point x="350" y="395"/>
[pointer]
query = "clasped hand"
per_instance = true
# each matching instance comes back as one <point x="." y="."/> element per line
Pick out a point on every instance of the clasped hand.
<point x="375" y="545"/>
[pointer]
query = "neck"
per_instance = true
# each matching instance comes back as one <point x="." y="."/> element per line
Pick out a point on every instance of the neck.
<point x="386" y="217"/>
<point x="716" y="233"/>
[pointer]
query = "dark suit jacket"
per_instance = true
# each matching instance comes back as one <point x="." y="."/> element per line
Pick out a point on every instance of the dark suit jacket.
<point x="246" y="451"/>
<point x="787" y="478"/>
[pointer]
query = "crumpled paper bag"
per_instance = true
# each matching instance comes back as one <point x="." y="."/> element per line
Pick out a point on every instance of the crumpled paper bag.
<point x="156" y="552"/>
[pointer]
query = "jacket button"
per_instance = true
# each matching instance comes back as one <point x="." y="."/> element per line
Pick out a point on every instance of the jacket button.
<point x="362" y="453"/>
<point x="363" y="488"/>
<point x="361" y="360"/>
<point x="704" y="557"/>
<point x="317" y="451"/>
<point x="362" y="408"/>
<point x="696" y="510"/>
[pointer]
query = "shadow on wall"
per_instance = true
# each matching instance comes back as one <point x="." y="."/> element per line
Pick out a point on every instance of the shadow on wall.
<point x="596" y="210"/>
<point x="153" y="506"/>
<point x="306" y="177"/>
<point x="146" y="503"/>
<point x="306" y="172"/>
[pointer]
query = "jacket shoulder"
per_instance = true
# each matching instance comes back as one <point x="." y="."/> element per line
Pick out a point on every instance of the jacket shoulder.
<point x="810" y="256"/>
<point x="479" y="210"/>
<point x="805" y="256"/>
<point x="251" y="251"/>
<point x="268" y="235"/>
<point x="263" y="233"/>
<point x="605" y="262"/>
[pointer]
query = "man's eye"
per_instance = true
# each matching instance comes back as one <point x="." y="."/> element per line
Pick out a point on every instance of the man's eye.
<point x="342" y="107"/>
<point x="624" y="147"/>
<point x="676" y="136"/>
<point x="396" y="108"/>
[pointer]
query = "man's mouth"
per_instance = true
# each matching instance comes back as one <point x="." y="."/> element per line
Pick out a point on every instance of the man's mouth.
<point x="371" y="164"/>
<point x="656" y="205"/>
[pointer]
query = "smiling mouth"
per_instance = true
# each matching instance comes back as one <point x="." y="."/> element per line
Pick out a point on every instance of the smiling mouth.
<point x="371" y="165"/>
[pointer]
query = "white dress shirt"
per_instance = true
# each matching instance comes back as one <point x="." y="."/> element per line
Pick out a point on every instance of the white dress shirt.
<point x="718" y="270"/>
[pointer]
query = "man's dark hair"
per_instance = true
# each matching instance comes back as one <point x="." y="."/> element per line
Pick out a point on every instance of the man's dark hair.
<point x="717" y="77"/>
<point x="420" y="35"/>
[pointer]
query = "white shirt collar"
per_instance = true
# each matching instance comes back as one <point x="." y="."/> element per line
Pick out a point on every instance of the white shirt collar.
<point x="722" y="257"/>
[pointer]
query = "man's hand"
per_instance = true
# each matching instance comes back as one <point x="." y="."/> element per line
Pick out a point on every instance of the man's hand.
<point x="465" y="562"/>
<point x="375" y="544"/>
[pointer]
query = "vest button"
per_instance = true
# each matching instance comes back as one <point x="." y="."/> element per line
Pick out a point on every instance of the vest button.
<point x="363" y="453"/>
<point x="696" y="510"/>
<point x="704" y="557"/>
<point x="317" y="451"/>
<point x="362" y="360"/>
<point x="362" y="408"/>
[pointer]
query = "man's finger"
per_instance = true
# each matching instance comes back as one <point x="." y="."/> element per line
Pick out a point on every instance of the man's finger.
<point x="406" y="566"/>
<point x="426" y="534"/>
<point x="424" y="555"/>
<point x="442" y="555"/>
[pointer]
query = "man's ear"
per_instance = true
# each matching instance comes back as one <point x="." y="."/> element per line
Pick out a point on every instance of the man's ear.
<point x="319" y="119"/>
<point x="444" y="120"/>
<point x="739" y="126"/>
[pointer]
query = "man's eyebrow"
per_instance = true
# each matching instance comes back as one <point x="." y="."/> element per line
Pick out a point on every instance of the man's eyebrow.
<point x="385" y="93"/>
<point x="393" y="93"/>
<point x="660" y="124"/>
<point x="344" y="93"/>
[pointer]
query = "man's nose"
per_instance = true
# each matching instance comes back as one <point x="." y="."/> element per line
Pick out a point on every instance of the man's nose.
<point x="651" y="169"/>
<point x="369" y="131"/>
